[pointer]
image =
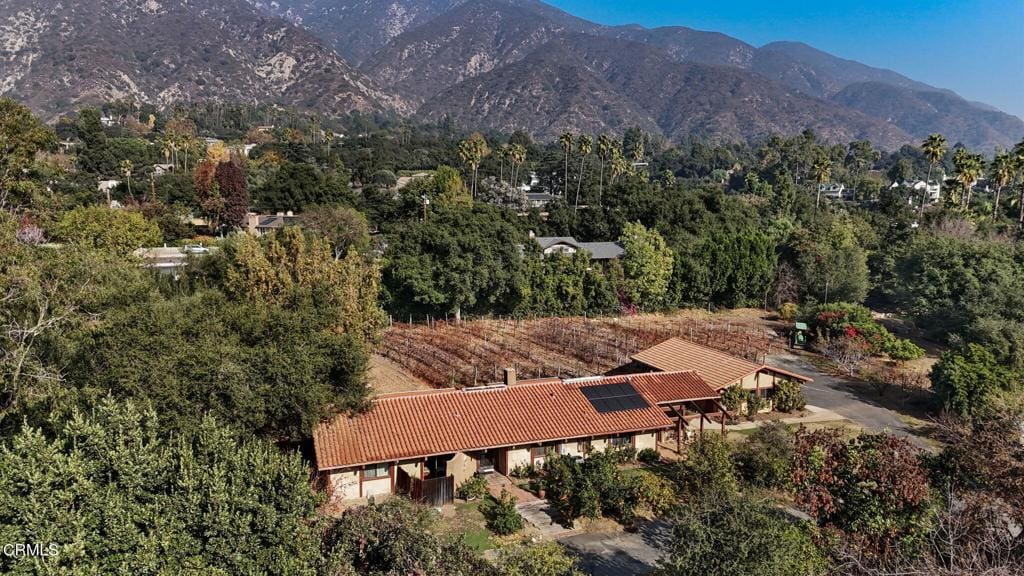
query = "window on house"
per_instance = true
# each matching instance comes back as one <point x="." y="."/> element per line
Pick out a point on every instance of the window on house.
<point x="620" y="441"/>
<point x="376" y="471"/>
<point x="583" y="447"/>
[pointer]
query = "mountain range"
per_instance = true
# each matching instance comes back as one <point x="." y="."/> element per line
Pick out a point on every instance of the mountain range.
<point x="485" y="64"/>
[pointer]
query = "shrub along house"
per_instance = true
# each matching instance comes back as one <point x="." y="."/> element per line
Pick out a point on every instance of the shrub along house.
<point x="426" y="443"/>
<point x="716" y="368"/>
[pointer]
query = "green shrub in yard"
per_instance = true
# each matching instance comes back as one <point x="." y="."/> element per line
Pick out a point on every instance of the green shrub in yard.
<point x="765" y="458"/>
<point x="902" y="350"/>
<point x="733" y="398"/>
<point x="789" y="397"/>
<point x="472" y="489"/>
<point x="755" y="403"/>
<point x="501" y="514"/>
<point x="789" y="311"/>
<point x="648" y="456"/>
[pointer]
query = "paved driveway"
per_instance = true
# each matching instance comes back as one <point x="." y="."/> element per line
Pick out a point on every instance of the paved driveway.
<point x="841" y="397"/>
<point x="632" y="553"/>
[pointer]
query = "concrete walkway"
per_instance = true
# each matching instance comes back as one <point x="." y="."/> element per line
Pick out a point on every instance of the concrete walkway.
<point x="816" y="414"/>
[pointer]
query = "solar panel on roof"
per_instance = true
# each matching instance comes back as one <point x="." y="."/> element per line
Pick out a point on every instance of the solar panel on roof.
<point x="618" y="397"/>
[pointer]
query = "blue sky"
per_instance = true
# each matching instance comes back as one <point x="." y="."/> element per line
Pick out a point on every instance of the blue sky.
<point x="973" y="47"/>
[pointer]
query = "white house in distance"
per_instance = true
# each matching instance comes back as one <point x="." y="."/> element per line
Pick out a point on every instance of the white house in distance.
<point x="932" y="190"/>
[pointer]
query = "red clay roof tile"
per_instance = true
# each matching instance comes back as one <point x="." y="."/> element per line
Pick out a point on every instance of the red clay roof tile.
<point x="424" y="424"/>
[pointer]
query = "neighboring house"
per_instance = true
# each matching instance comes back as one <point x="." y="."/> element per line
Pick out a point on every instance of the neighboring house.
<point x="209" y="141"/>
<point x="540" y="199"/>
<point x="261" y="224"/>
<point x="162" y="169"/>
<point x="108" y="121"/>
<point x="569" y="245"/>
<point x="932" y="190"/>
<point x="833" y="190"/>
<point x="718" y="369"/>
<point x="427" y="443"/>
<point x="534" y="181"/>
<point x="169" y="260"/>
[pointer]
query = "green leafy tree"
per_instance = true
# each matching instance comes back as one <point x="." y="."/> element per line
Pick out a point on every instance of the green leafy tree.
<point x="456" y="262"/>
<point x="22" y="136"/>
<point x="117" y="497"/>
<point x="765" y="458"/>
<point x="290" y="270"/>
<point x="708" y="473"/>
<point x="449" y="190"/>
<point x="647" y="265"/>
<point x="343" y="227"/>
<point x="832" y="265"/>
<point x="970" y="380"/>
<point x="739" y="537"/>
<point x="396" y="537"/>
<point x="266" y="370"/>
<point x="117" y="231"/>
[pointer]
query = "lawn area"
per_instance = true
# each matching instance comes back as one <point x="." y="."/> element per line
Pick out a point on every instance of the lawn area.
<point x="466" y="520"/>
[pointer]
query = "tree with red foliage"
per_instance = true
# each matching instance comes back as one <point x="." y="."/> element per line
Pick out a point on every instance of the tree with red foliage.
<point x="211" y="203"/>
<point x="230" y="179"/>
<point x="873" y="490"/>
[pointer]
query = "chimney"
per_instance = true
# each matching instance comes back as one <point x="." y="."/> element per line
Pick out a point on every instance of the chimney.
<point x="510" y="377"/>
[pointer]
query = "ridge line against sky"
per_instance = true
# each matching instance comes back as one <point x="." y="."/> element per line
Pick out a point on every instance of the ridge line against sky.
<point x="975" y="48"/>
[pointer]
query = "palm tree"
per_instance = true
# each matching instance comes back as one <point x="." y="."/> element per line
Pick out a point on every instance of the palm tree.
<point x="638" y="151"/>
<point x="328" y="139"/>
<point x="585" y="147"/>
<point x="517" y="155"/>
<point x="472" y="151"/>
<point x="126" y="169"/>
<point x="822" y="172"/>
<point x="502" y="152"/>
<point x="1018" y="161"/>
<point x="934" y="148"/>
<point x="604" y="152"/>
<point x="619" y="165"/>
<point x="566" y="141"/>
<point x="1001" y="171"/>
<point x="969" y="168"/>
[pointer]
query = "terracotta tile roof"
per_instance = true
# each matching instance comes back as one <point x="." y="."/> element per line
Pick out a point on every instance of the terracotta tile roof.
<point x="446" y="421"/>
<point x="718" y="369"/>
<point x="669" y="387"/>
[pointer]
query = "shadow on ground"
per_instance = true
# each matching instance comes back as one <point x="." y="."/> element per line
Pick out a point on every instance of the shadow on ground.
<point x="603" y="554"/>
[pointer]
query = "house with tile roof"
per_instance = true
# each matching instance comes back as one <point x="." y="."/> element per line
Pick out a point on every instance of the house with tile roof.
<point x="719" y="369"/>
<point x="427" y="443"/>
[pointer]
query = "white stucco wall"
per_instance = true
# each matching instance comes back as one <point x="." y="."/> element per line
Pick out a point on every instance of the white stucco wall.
<point x="642" y="441"/>
<point x="518" y="457"/>
<point x="570" y="449"/>
<point x="378" y="487"/>
<point x="344" y="485"/>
